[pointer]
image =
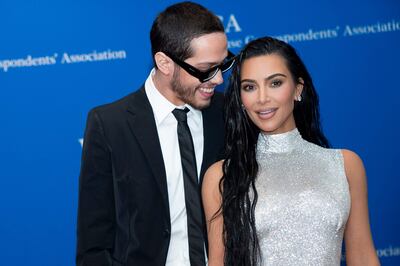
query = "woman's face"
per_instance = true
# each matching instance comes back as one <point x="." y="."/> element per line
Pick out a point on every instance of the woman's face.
<point x="268" y="92"/>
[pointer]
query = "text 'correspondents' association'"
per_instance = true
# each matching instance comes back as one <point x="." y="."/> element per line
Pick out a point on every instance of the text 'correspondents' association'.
<point x="63" y="58"/>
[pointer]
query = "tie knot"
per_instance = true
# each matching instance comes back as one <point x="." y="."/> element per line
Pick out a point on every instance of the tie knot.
<point x="180" y="114"/>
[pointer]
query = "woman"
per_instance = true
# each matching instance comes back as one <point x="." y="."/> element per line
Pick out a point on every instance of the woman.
<point x="281" y="197"/>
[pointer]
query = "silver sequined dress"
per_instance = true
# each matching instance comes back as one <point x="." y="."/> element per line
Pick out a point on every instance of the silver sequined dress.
<point x="303" y="201"/>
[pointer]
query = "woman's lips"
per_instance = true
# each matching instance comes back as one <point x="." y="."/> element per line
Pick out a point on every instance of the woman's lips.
<point x="267" y="113"/>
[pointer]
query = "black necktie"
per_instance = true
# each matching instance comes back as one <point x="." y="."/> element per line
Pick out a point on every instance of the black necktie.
<point x="192" y="190"/>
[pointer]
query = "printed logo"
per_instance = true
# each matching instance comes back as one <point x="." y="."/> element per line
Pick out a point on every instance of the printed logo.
<point x="28" y="61"/>
<point x="94" y="56"/>
<point x="232" y="27"/>
<point x="388" y="252"/>
<point x="231" y="24"/>
<point x="338" y="31"/>
<point x="66" y="58"/>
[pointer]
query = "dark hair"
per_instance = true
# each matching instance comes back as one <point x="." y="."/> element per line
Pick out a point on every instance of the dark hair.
<point x="239" y="194"/>
<point x="175" y="27"/>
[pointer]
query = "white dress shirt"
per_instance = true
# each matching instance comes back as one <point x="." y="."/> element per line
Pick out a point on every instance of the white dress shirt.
<point x="178" y="252"/>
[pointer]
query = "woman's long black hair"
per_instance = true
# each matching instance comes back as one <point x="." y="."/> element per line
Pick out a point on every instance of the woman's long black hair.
<point x="237" y="186"/>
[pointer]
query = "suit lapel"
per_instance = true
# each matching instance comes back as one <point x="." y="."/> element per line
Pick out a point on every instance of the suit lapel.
<point x="213" y="130"/>
<point x="207" y="132"/>
<point x="142" y="124"/>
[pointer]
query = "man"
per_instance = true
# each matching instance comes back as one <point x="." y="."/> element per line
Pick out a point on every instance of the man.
<point x="138" y="203"/>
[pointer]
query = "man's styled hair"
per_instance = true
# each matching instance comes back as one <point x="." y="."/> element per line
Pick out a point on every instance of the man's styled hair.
<point x="174" y="28"/>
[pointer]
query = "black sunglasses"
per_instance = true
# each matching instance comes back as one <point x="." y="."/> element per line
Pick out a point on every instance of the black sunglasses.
<point x="209" y="74"/>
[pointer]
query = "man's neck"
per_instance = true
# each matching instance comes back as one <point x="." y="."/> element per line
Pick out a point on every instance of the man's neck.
<point x="164" y="87"/>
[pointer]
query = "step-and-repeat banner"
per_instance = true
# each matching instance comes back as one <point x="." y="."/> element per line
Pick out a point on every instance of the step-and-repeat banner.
<point x="58" y="59"/>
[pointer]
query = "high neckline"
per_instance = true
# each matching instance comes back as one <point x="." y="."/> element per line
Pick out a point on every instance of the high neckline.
<point x="279" y="143"/>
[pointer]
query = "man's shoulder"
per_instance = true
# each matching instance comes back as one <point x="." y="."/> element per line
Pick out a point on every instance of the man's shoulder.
<point x="120" y="105"/>
<point x="115" y="113"/>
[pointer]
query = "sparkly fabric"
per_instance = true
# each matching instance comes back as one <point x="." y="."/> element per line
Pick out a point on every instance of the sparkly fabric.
<point x="303" y="201"/>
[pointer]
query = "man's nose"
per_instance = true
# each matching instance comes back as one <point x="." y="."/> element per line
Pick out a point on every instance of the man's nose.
<point x="217" y="79"/>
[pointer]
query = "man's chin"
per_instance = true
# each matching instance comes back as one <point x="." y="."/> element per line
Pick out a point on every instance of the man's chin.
<point x="200" y="104"/>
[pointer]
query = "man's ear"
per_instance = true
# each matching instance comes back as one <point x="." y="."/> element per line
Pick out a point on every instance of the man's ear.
<point x="164" y="63"/>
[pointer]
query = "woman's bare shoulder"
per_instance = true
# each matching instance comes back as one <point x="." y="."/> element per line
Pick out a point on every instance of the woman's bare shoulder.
<point x="354" y="168"/>
<point x="213" y="175"/>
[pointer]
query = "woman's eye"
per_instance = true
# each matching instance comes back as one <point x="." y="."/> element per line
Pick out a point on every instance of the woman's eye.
<point x="276" y="83"/>
<point x="248" y="87"/>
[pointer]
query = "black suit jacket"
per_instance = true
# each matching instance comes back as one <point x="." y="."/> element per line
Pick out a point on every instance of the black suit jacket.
<point x="123" y="212"/>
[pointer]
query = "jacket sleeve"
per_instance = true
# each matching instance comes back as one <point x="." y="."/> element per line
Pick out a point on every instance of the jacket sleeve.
<point x="96" y="211"/>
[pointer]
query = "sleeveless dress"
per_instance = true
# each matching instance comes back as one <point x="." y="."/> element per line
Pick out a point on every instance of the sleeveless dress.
<point x="303" y="201"/>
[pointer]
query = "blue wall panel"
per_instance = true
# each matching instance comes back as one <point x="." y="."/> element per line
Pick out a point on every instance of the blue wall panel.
<point x="350" y="48"/>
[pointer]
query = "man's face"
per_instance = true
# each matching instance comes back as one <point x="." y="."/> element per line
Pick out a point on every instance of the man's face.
<point x="208" y="50"/>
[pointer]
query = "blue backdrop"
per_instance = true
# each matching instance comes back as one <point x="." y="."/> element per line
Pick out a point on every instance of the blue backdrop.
<point x="60" y="58"/>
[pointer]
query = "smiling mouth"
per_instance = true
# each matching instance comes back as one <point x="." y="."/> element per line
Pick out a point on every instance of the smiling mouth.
<point x="207" y="90"/>
<point x="267" y="113"/>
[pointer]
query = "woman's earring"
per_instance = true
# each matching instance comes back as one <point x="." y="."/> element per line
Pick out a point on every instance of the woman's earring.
<point x="243" y="108"/>
<point x="299" y="98"/>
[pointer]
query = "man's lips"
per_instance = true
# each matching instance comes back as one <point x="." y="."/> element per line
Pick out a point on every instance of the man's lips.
<point x="207" y="92"/>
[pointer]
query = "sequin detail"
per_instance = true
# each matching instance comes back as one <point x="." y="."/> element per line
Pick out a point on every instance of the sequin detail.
<point x="303" y="201"/>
